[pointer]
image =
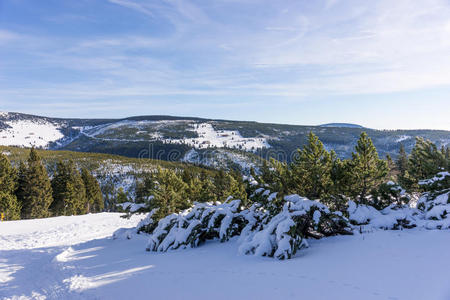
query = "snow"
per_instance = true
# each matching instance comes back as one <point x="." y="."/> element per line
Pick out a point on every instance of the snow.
<point x="60" y="231"/>
<point x="439" y="177"/>
<point x="209" y="137"/>
<point x="28" y="133"/>
<point x="403" y="265"/>
<point x="402" y="138"/>
<point x="131" y="206"/>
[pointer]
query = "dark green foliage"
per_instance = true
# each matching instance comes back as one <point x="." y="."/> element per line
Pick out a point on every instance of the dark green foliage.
<point x="122" y="197"/>
<point x="9" y="206"/>
<point x="311" y="170"/>
<point x="69" y="192"/>
<point x="402" y="161"/>
<point x="318" y="174"/>
<point x="387" y="194"/>
<point x="367" y="171"/>
<point x="226" y="185"/>
<point x="277" y="176"/>
<point x="94" y="195"/>
<point x="425" y="161"/>
<point x="34" y="190"/>
<point x="169" y="193"/>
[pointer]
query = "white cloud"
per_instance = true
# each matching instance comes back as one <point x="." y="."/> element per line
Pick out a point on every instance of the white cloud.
<point x="288" y="50"/>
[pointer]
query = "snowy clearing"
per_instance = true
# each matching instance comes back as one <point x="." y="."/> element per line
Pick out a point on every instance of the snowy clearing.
<point x="27" y="133"/>
<point x="209" y="137"/>
<point x="74" y="258"/>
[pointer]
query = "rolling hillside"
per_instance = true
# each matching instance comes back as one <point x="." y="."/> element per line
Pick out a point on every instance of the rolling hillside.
<point x="216" y="143"/>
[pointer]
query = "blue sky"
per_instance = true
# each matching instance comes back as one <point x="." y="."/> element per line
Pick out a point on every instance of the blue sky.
<point x="382" y="64"/>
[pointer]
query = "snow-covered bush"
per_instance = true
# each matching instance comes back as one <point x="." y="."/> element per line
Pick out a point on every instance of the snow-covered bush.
<point x="286" y="232"/>
<point x="388" y="194"/>
<point x="193" y="226"/>
<point x="261" y="232"/>
<point x="436" y="202"/>
<point x="392" y="217"/>
<point x="441" y="181"/>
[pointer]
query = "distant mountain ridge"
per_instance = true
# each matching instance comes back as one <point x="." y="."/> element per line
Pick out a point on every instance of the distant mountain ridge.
<point x="345" y="125"/>
<point x="217" y="143"/>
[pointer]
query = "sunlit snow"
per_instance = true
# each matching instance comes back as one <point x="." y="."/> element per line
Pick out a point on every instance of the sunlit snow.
<point x="27" y="133"/>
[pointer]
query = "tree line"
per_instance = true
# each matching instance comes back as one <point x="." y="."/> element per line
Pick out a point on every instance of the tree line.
<point x="315" y="172"/>
<point x="365" y="178"/>
<point x="27" y="192"/>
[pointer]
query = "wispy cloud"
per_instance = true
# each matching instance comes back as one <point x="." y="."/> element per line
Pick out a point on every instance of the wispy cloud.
<point x="293" y="49"/>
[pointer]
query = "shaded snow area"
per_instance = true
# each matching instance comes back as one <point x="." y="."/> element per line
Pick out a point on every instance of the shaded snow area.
<point x="28" y="133"/>
<point x="75" y="258"/>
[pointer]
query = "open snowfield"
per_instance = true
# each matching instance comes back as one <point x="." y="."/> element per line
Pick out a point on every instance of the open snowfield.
<point x="75" y="258"/>
<point x="28" y="133"/>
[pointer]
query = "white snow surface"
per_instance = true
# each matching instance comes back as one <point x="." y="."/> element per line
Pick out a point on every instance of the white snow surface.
<point x="73" y="258"/>
<point x="209" y="137"/>
<point x="28" y="133"/>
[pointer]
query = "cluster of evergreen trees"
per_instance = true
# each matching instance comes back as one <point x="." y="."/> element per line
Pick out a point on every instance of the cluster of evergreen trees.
<point x="319" y="174"/>
<point x="171" y="191"/>
<point x="28" y="192"/>
<point x="315" y="172"/>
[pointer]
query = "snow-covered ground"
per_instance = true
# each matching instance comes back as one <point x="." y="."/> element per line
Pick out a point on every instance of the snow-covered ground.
<point x="209" y="137"/>
<point x="27" y="133"/>
<point x="74" y="258"/>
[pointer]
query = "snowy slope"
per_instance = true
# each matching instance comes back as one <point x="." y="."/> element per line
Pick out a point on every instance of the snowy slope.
<point x="181" y="134"/>
<point x="28" y="133"/>
<point x="60" y="231"/>
<point x="209" y="137"/>
<point x="57" y="258"/>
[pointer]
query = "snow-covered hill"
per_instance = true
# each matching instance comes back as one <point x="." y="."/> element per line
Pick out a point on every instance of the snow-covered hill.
<point x="28" y="132"/>
<point x="73" y="258"/>
<point x="174" y="138"/>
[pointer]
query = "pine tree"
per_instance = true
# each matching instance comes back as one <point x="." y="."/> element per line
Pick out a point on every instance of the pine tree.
<point x="425" y="160"/>
<point x="367" y="171"/>
<point x="69" y="193"/>
<point x="9" y="205"/>
<point x="144" y="188"/>
<point x="340" y="179"/>
<point x="402" y="161"/>
<point x="447" y="158"/>
<point x="207" y="192"/>
<point x="311" y="170"/>
<point x="122" y="196"/>
<point x="169" y="194"/>
<point x="94" y="196"/>
<point x="34" y="190"/>
<point x="392" y="168"/>
<point x="227" y="185"/>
